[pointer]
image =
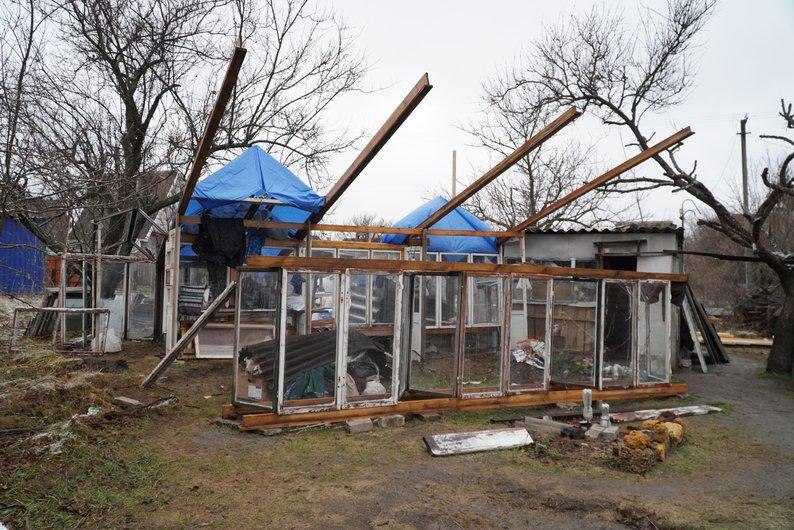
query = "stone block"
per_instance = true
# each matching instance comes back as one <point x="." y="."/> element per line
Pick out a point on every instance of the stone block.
<point x="393" y="420"/>
<point x="126" y="402"/>
<point x="594" y="432"/>
<point x="358" y="425"/>
<point x="610" y="433"/>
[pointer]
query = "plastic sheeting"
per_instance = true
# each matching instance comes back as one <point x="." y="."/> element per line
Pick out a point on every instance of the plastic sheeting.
<point x="254" y="174"/>
<point x="457" y="219"/>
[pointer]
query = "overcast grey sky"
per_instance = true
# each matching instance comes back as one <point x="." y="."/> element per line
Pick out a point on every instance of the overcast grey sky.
<point x="745" y="67"/>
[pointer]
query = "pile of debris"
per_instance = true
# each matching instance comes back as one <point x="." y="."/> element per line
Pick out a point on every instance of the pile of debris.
<point x="642" y="448"/>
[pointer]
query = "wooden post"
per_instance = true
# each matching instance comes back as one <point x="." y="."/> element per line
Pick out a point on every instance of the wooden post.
<point x="207" y="137"/>
<point x="197" y="326"/>
<point x="616" y="171"/>
<point x="530" y="145"/>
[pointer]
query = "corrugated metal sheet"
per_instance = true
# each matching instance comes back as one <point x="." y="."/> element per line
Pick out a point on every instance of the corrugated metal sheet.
<point x="662" y="227"/>
<point x="21" y="259"/>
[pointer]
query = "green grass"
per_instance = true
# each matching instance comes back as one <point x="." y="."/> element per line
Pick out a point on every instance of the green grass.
<point x="786" y="378"/>
<point x="80" y="486"/>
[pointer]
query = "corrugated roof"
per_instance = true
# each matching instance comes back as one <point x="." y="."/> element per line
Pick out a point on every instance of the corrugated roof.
<point x="661" y="227"/>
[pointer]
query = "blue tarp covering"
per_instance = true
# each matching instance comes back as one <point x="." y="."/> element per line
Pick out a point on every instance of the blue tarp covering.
<point x="457" y="219"/>
<point x="254" y="174"/>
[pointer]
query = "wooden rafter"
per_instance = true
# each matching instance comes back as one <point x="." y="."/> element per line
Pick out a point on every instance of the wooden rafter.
<point x="254" y="263"/>
<point x="211" y="127"/>
<point x="530" y="145"/>
<point x="616" y="171"/>
<point x="400" y="114"/>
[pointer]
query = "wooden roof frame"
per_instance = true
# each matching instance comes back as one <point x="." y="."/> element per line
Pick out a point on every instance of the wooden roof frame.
<point x="376" y="143"/>
<point x="510" y="160"/>
<point x="667" y="143"/>
<point x="211" y="127"/>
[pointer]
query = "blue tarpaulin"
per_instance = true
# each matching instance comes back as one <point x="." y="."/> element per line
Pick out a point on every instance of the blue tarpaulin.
<point x="254" y="174"/>
<point x="457" y="219"/>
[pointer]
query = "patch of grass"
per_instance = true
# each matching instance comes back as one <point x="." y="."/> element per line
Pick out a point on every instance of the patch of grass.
<point x="91" y="479"/>
<point x="708" y="443"/>
<point x="785" y="378"/>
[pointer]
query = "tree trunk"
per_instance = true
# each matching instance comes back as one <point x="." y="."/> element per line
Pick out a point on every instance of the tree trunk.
<point x="781" y="356"/>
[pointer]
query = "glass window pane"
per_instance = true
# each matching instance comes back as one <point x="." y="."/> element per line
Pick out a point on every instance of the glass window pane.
<point x="112" y="296"/>
<point x="485" y="258"/>
<point x="482" y="357"/>
<point x="323" y="253"/>
<point x="618" y="370"/>
<point x="433" y="366"/>
<point x="485" y="295"/>
<point x="141" y="304"/>
<point x="458" y="258"/>
<point x="573" y="334"/>
<point x="258" y="353"/>
<point x="370" y="351"/>
<point x="310" y="359"/>
<point x="385" y="254"/>
<point x="653" y="344"/>
<point x="528" y="333"/>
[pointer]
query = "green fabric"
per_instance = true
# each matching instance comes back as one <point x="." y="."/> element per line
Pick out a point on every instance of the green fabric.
<point x="311" y="384"/>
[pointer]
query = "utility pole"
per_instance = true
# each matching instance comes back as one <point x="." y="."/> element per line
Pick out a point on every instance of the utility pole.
<point x="743" y="133"/>
<point x="454" y="172"/>
<point x="745" y="200"/>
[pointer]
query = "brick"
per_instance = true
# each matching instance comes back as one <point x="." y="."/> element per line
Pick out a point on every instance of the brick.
<point x="358" y="425"/>
<point x="610" y="433"/>
<point x="126" y="402"/>
<point x="393" y="420"/>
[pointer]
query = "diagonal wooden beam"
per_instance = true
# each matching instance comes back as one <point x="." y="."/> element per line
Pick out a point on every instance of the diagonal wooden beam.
<point x="530" y="145"/>
<point x="636" y="160"/>
<point x="211" y="127"/>
<point x="400" y="114"/>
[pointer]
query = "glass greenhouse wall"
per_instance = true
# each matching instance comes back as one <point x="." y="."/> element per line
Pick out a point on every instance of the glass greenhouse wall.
<point x="462" y="335"/>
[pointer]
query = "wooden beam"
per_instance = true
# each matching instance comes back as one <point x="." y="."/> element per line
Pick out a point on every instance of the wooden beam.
<point x="665" y="144"/>
<point x="530" y="145"/>
<point x="400" y="114"/>
<point x="529" y="399"/>
<point x="187" y="338"/>
<point x="321" y="227"/>
<point x="254" y="263"/>
<point x="205" y="144"/>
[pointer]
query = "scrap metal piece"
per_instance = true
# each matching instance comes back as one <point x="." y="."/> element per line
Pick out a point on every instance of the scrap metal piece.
<point x="695" y="410"/>
<point x="472" y="442"/>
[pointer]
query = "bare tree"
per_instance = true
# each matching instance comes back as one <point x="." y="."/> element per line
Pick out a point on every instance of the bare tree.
<point x="119" y="105"/>
<point x="510" y="115"/>
<point x="622" y="74"/>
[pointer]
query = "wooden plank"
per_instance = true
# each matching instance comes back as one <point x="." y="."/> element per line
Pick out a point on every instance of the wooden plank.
<point x="360" y="245"/>
<point x="636" y="160"/>
<point x="400" y="114"/>
<point x="172" y="355"/>
<point x="207" y="137"/>
<point x="690" y="324"/>
<point x="273" y="420"/>
<point x="530" y="145"/>
<point x="459" y="443"/>
<point x="320" y="227"/>
<point x="254" y="263"/>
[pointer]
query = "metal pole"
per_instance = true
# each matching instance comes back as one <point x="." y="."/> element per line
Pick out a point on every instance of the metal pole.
<point x="745" y="200"/>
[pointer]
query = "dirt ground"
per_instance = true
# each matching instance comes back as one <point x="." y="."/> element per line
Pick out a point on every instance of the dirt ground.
<point x="174" y="468"/>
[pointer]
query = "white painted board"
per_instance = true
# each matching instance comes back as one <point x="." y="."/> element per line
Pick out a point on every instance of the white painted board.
<point x="472" y="442"/>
